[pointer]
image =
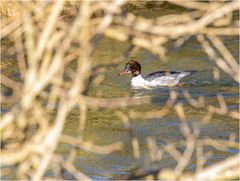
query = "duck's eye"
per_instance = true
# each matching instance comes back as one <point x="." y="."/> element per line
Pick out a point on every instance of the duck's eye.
<point x="127" y="69"/>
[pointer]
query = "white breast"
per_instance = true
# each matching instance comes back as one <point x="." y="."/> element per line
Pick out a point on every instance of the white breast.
<point x="138" y="81"/>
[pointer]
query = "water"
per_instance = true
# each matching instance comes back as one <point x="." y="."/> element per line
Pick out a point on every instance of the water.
<point x="104" y="126"/>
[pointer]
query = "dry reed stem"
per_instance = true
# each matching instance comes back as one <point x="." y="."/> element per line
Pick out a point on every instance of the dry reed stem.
<point x="224" y="170"/>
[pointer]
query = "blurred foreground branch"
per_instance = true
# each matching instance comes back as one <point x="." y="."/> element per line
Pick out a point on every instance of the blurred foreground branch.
<point x="54" y="44"/>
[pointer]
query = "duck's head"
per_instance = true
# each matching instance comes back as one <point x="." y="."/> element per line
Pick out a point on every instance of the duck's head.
<point x="132" y="67"/>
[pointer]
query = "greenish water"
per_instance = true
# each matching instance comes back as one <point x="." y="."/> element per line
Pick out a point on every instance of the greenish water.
<point x="104" y="127"/>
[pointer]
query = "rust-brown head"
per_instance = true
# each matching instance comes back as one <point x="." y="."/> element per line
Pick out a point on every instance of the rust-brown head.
<point x="132" y="67"/>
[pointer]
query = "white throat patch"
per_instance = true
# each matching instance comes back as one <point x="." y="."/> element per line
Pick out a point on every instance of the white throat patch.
<point x="138" y="81"/>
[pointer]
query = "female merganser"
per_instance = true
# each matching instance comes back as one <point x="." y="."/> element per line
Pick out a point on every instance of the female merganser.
<point x="159" y="78"/>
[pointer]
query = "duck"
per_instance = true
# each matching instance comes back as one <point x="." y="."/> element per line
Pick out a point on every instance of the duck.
<point x="155" y="79"/>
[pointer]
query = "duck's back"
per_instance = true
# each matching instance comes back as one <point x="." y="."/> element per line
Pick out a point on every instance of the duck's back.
<point x="167" y="78"/>
<point x="160" y="74"/>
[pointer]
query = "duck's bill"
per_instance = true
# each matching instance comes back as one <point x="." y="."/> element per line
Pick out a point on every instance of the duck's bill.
<point x="124" y="72"/>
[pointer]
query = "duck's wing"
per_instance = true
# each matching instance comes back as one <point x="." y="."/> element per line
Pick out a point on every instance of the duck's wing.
<point x="159" y="74"/>
<point x="173" y="74"/>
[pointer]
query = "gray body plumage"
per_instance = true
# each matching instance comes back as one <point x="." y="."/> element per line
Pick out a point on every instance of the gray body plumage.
<point x="173" y="74"/>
